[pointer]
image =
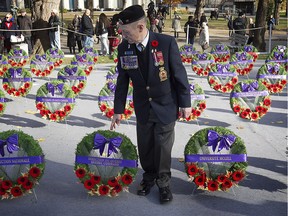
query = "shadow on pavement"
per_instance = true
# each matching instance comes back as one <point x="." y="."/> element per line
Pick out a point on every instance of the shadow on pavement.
<point x="20" y="121"/>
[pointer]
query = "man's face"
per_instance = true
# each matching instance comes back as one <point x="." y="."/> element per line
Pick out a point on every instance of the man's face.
<point x="132" y="32"/>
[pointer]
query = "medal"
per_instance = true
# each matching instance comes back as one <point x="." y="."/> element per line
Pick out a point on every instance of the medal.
<point x="162" y="74"/>
<point x="158" y="58"/>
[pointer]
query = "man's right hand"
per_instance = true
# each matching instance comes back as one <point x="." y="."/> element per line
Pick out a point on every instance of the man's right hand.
<point x="115" y="120"/>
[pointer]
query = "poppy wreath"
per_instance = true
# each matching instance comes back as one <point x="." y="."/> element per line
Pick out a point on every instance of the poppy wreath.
<point x="91" y="52"/>
<point x="252" y="50"/>
<point x="17" y="57"/>
<point x="273" y="76"/>
<point x="223" y="77"/>
<point x="55" y="100"/>
<point x="73" y="76"/>
<point x="56" y="56"/>
<point x="41" y="65"/>
<point x="115" y="55"/>
<point x="3" y="64"/>
<point x="112" y="74"/>
<point x="106" y="163"/>
<point x="83" y="61"/>
<point x="221" y="53"/>
<point x="22" y="164"/>
<point x="243" y="62"/>
<point x="17" y="81"/>
<point x="106" y="101"/>
<point x="198" y="102"/>
<point x="215" y="159"/>
<point x="186" y="52"/>
<point x="279" y="54"/>
<point x="2" y="102"/>
<point x="201" y="63"/>
<point x="250" y="99"/>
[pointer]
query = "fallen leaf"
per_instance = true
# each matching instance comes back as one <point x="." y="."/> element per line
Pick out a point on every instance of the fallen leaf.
<point x="41" y="139"/>
<point x="181" y="160"/>
<point x="30" y="112"/>
<point x="18" y="127"/>
<point x="240" y="127"/>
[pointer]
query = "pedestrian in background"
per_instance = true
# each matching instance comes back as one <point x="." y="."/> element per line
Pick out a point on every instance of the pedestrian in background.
<point x="203" y="18"/>
<point x="8" y="24"/>
<point x="190" y="28"/>
<point x="102" y="31"/>
<point x="24" y="23"/>
<point x="271" y="23"/>
<point x="87" y="29"/>
<point x="204" y="36"/>
<point x="77" y="24"/>
<point x="160" y="88"/>
<point x="176" y="25"/>
<point x="71" y="40"/>
<point x="251" y="31"/>
<point x="230" y="23"/>
<point x="54" y="36"/>
<point x="239" y="24"/>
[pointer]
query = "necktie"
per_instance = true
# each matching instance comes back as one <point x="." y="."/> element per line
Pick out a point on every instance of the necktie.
<point x="140" y="47"/>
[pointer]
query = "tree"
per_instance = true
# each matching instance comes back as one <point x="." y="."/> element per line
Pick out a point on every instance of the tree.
<point x="41" y="11"/>
<point x="200" y="4"/>
<point x="277" y="10"/>
<point x="259" y="37"/>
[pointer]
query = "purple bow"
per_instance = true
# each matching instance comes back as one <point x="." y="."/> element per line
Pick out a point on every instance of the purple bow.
<point x="87" y="50"/>
<point x="11" y="142"/>
<point x="202" y="56"/>
<point x="51" y="88"/>
<point x="278" y="55"/>
<point x="53" y="51"/>
<point x="14" y="72"/>
<point x="241" y="56"/>
<point x="249" y="87"/>
<point x="281" y="48"/>
<point x="219" y="47"/>
<point x="224" y="141"/>
<point x="0" y="57"/>
<point x="18" y="51"/>
<point x="81" y="58"/>
<point x="192" y="87"/>
<point x="40" y="57"/>
<point x="71" y="71"/>
<point x="113" y="143"/>
<point x="223" y="68"/>
<point x="248" y="48"/>
<point x="273" y="69"/>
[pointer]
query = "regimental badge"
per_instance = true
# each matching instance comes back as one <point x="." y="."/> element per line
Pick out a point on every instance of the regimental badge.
<point x="158" y="58"/>
<point x="162" y="74"/>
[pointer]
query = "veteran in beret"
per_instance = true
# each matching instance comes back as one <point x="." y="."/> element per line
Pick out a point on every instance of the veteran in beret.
<point x="160" y="92"/>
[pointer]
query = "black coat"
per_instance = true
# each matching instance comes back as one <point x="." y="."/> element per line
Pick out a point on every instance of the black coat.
<point x="25" y="23"/>
<point x="54" y="22"/>
<point x="9" y="25"/>
<point x="87" y="25"/>
<point x="165" y="97"/>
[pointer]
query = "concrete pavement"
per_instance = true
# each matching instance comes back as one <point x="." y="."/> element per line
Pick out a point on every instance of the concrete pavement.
<point x="263" y="192"/>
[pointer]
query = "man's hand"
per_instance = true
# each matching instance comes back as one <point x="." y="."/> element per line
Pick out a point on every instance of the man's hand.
<point x="115" y="120"/>
<point x="185" y="112"/>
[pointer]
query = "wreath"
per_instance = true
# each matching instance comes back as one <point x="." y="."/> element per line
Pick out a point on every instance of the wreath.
<point x="223" y="77"/>
<point x="56" y="56"/>
<point x="243" y="62"/>
<point x="3" y="64"/>
<point x="41" y="65"/>
<point x="106" y="101"/>
<point x="106" y="163"/>
<point x="221" y="53"/>
<point x="218" y="168"/>
<point x="198" y="102"/>
<point x="2" y="102"/>
<point x="279" y="54"/>
<point x="273" y="76"/>
<point x="114" y="55"/>
<point x="91" y="52"/>
<point x="22" y="164"/>
<point x="201" y="63"/>
<point x="112" y="74"/>
<point x="186" y="52"/>
<point x="73" y="76"/>
<point x="55" y="100"/>
<point x="252" y="50"/>
<point x="17" y="57"/>
<point x="84" y="61"/>
<point x="250" y="100"/>
<point x="17" y="81"/>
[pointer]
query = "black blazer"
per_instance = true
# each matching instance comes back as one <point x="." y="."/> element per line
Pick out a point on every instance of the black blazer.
<point x="165" y="97"/>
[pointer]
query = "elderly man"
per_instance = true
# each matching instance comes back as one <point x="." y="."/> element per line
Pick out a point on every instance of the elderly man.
<point x="87" y="29"/>
<point x="54" y="36"/>
<point x="24" y="23"/>
<point x="160" y="86"/>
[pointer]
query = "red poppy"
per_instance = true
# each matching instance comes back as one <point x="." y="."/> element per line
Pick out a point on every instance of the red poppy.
<point x="81" y="85"/>
<point x="88" y="184"/>
<point x="22" y="180"/>
<point x="258" y="109"/>
<point x="221" y="178"/>
<point x="28" y="185"/>
<point x="213" y="185"/>
<point x="192" y="169"/>
<point x="80" y="172"/>
<point x="16" y="191"/>
<point x="35" y="172"/>
<point x="2" y="191"/>
<point x="103" y="190"/>
<point x="244" y="114"/>
<point x="17" y="94"/>
<point x="226" y="184"/>
<point x="103" y="107"/>
<point x="127" y="179"/>
<point x="202" y="106"/>
<point x="197" y="113"/>
<point x="117" y="188"/>
<point x="212" y="81"/>
<point x="200" y="180"/>
<point x="131" y="104"/>
<point x="110" y="113"/>
<point x="267" y="102"/>
<point x="62" y="114"/>
<point x="154" y="43"/>
<point x="283" y="82"/>
<point x="6" y="184"/>
<point x="53" y="117"/>
<point x="112" y="182"/>
<point x="254" y="116"/>
<point x="96" y="179"/>
<point x="1" y="106"/>
<point x="238" y="176"/>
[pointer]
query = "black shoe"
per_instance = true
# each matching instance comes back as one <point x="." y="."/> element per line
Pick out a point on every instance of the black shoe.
<point x="165" y="195"/>
<point x="145" y="188"/>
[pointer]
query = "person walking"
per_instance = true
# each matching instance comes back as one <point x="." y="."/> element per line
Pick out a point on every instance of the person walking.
<point x="76" y="24"/>
<point x="190" y="28"/>
<point x="239" y="24"/>
<point x="9" y="24"/>
<point x="54" y="36"/>
<point x="87" y="29"/>
<point x="176" y="25"/>
<point x="230" y="23"/>
<point x="271" y="23"/>
<point x="204" y="36"/>
<point x="24" y="23"/>
<point x="152" y="62"/>
<point x="102" y="31"/>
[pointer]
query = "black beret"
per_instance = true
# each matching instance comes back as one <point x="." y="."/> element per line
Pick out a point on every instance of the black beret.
<point x="131" y="14"/>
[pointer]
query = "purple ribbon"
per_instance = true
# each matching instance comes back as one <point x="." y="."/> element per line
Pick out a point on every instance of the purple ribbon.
<point x="223" y="68"/>
<point x="111" y="86"/>
<point x="248" y="48"/>
<point x="3" y="100"/>
<point x="206" y="158"/>
<point x="219" y="47"/>
<point x="56" y="100"/>
<point x="202" y="56"/>
<point x="224" y="141"/>
<point x="24" y="79"/>
<point x="273" y="69"/>
<point x="106" y="161"/>
<point x="22" y="160"/>
<point x="41" y="57"/>
<point x="81" y="58"/>
<point x="18" y="51"/>
<point x="53" y="51"/>
<point x="11" y="142"/>
<point x="278" y="55"/>
<point x="72" y="77"/>
<point x="113" y="143"/>
<point x="111" y="98"/>
<point x="71" y="71"/>
<point x="241" y="56"/>
<point x="51" y="88"/>
<point x="15" y="72"/>
<point x="249" y="87"/>
<point x="192" y="87"/>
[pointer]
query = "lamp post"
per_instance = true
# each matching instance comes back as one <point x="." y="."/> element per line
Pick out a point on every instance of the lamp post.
<point x="62" y="19"/>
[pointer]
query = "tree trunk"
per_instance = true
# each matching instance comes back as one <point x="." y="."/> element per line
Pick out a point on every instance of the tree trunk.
<point x="90" y="7"/>
<point x="41" y="11"/>
<point x="124" y="4"/>
<point x="199" y="6"/>
<point x="259" y="37"/>
<point x="276" y="11"/>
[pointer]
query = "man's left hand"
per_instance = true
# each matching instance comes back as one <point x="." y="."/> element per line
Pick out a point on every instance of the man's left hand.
<point x="185" y="112"/>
